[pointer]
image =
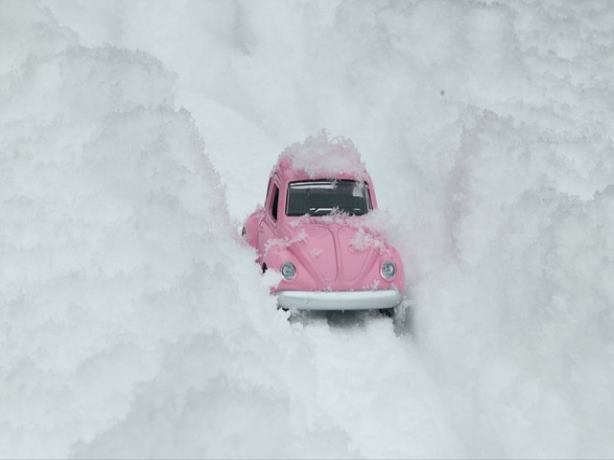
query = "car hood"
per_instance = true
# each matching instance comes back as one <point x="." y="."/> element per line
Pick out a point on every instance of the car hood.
<point x="336" y="255"/>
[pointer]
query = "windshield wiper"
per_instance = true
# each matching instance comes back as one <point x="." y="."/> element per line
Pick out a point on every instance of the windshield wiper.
<point x="315" y="211"/>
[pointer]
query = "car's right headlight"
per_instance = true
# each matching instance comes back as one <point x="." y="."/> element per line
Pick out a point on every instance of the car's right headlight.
<point x="288" y="271"/>
<point x="388" y="270"/>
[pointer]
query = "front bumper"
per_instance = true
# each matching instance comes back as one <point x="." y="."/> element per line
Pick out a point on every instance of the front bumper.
<point x="339" y="300"/>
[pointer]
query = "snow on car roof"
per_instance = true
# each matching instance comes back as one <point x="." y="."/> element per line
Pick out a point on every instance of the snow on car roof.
<point x="321" y="156"/>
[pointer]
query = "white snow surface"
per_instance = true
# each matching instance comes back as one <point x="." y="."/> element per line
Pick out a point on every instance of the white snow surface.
<point x="322" y="157"/>
<point x="136" y="135"/>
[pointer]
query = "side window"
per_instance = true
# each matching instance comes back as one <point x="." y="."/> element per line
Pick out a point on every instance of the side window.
<point x="275" y="202"/>
<point x="268" y="187"/>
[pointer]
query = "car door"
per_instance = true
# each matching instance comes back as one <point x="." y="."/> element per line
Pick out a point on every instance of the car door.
<point x="268" y="225"/>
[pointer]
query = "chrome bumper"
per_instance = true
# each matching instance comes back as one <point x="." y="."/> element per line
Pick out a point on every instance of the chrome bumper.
<point x="339" y="300"/>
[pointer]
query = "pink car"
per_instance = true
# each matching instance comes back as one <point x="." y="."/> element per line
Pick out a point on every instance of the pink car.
<point x="317" y="229"/>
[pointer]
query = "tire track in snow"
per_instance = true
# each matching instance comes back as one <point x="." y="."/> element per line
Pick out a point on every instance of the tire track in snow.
<point x="373" y="385"/>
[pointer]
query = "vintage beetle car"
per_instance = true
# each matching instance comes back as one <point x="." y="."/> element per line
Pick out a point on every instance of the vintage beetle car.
<point x="315" y="229"/>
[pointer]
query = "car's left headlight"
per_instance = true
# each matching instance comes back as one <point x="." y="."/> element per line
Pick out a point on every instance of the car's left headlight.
<point x="288" y="271"/>
<point x="388" y="270"/>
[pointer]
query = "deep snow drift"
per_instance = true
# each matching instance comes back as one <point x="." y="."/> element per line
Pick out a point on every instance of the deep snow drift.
<point x="133" y="322"/>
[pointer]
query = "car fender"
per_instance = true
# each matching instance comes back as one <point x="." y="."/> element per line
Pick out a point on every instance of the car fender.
<point x="250" y="228"/>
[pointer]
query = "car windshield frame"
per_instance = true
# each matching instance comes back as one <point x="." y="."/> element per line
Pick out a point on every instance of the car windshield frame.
<point x="344" y="185"/>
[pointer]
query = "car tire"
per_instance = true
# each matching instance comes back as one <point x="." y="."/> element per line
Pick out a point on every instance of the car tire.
<point x="403" y="318"/>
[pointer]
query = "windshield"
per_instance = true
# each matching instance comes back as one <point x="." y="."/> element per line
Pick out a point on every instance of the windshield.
<point x="323" y="197"/>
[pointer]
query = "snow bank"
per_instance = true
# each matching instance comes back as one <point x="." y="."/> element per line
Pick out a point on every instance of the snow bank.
<point x="122" y="286"/>
<point x="528" y="298"/>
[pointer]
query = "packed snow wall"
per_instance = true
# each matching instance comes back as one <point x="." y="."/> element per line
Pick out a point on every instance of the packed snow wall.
<point x="122" y="281"/>
<point x="486" y="127"/>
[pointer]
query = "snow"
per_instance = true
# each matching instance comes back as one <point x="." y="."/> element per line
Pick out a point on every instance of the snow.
<point x="134" y="138"/>
<point x="323" y="157"/>
<point x="278" y="243"/>
<point x="364" y="239"/>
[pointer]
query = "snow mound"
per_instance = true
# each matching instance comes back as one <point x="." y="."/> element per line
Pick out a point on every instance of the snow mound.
<point x="528" y="292"/>
<point x="129" y="312"/>
<point x="321" y="156"/>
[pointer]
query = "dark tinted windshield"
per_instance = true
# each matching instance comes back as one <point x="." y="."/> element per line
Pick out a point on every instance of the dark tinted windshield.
<point x="322" y="197"/>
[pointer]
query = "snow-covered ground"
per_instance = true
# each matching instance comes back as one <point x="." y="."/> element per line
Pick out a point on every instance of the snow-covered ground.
<point x="136" y="135"/>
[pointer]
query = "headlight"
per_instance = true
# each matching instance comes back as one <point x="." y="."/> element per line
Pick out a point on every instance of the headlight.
<point x="288" y="271"/>
<point x="388" y="270"/>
